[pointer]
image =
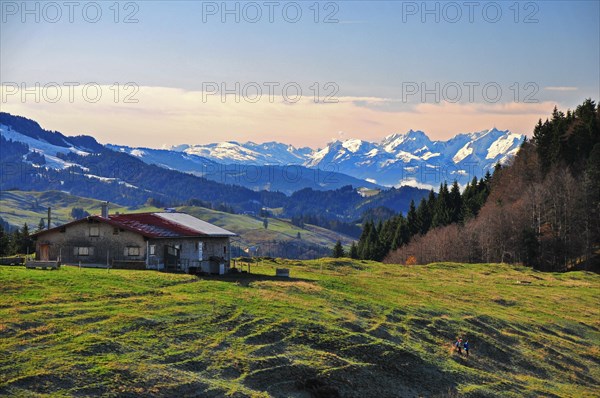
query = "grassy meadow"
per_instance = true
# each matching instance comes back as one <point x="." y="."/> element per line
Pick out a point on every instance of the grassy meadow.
<point x="335" y="328"/>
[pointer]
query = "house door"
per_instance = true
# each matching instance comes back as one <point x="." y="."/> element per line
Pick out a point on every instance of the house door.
<point x="45" y="252"/>
<point x="172" y="255"/>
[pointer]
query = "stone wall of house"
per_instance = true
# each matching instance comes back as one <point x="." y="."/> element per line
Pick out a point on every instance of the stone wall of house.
<point x="92" y="242"/>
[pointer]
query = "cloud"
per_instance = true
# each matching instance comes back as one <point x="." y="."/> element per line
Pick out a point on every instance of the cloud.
<point x="174" y="116"/>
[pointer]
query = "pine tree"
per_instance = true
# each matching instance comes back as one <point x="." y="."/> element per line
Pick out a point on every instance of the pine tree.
<point x="413" y="220"/>
<point x="338" y="250"/>
<point x="41" y="225"/>
<point x="386" y="236"/>
<point x="424" y="216"/>
<point x="4" y="241"/>
<point x="14" y="243"/>
<point x="25" y="243"/>
<point x="456" y="205"/>
<point x="402" y="235"/>
<point x="375" y="249"/>
<point x="353" y="251"/>
<point x="363" y="241"/>
<point x="441" y="211"/>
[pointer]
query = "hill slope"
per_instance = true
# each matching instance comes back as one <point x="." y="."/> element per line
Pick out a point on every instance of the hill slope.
<point x="360" y="329"/>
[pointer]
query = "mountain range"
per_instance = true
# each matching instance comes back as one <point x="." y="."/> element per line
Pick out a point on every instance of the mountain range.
<point x="35" y="159"/>
<point x="399" y="159"/>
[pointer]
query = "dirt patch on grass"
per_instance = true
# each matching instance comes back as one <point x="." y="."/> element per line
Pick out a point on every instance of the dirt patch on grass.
<point x="503" y="302"/>
<point x="100" y="348"/>
<point x="265" y="337"/>
<point x="188" y="389"/>
<point x="275" y="372"/>
<point x="37" y="384"/>
<point x="89" y="320"/>
<point x="274" y="349"/>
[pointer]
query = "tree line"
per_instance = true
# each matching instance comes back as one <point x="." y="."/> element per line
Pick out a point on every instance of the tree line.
<point x="543" y="210"/>
<point x="449" y="206"/>
<point x="17" y="240"/>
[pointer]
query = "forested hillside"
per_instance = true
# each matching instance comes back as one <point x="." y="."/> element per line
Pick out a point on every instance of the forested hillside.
<point x="542" y="210"/>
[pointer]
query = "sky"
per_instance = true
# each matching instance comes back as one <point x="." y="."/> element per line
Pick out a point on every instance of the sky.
<point x="155" y="74"/>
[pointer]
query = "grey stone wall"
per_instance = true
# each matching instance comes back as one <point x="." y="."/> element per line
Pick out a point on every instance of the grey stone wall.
<point x="108" y="242"/>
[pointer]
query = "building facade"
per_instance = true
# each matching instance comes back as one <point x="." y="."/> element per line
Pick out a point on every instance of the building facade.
<point x="165" y="240"/>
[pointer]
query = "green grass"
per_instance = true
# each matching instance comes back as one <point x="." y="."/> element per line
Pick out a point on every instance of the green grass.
<point x="365" y="329"/>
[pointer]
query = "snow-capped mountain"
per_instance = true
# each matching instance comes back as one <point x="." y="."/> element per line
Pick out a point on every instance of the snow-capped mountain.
<point x="399" y="159"/>
<point x="286" y="178"/>
<point x="268" y="153"/>
<point x="413" y="159"/>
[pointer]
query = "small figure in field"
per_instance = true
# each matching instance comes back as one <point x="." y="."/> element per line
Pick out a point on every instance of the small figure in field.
<point x="466" y="347"/>
<point x="458" y="345"/>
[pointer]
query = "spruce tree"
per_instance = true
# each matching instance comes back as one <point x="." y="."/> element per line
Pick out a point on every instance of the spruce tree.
<point x="353" y="251"/>
<point x="4" y="241"/>
<point x="413" y="220"/>
<point x="25" y="243"/>
<point x="402" y="235"/>
<point x="455" y="204"/>
<point x="441" y="211"/>
<point x="424" y="216"/>
<point x="363" y="241"/>
<point x="338" y="250"/>
<point x="14" y="244"/>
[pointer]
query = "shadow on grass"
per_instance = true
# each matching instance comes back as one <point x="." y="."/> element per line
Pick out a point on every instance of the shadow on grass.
<point x="245" y="279"/>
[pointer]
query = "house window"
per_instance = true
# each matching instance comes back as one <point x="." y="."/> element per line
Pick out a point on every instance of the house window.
<point x="83" y="251"/>
<point x="94" y="231"/>
<point x="152" y="250"/>
<point x="132" y="251"/>
<point x="224" y="249"/>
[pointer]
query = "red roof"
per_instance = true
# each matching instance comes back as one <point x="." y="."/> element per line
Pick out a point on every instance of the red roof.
<point x="157" y="225"/>
<point x="153" y="226"/>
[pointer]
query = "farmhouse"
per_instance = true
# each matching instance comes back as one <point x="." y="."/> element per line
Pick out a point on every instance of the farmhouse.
<point x="163" y="240"/>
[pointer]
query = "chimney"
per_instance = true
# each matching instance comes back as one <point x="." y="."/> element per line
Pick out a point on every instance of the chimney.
<point x="104" y="210"/>
<point x="49" y="218"/>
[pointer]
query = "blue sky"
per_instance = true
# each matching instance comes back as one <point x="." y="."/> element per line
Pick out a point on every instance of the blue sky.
<point x="372" y="51"/>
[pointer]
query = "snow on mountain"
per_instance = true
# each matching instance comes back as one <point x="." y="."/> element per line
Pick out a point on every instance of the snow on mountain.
<point x="169" y="159"/>
<point x="49" y="151"/>
<point x="352" y="145"/>
<point x="463" y="153"/>
<point x="268" y="153"/>
<point x="399" y="159"/>
<point x="410" y="158"/>
<point x="502" y="145"/>
<point x="412" y="142"/>
<point x="413" y="159"/>
<point x="39" y="145"/>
